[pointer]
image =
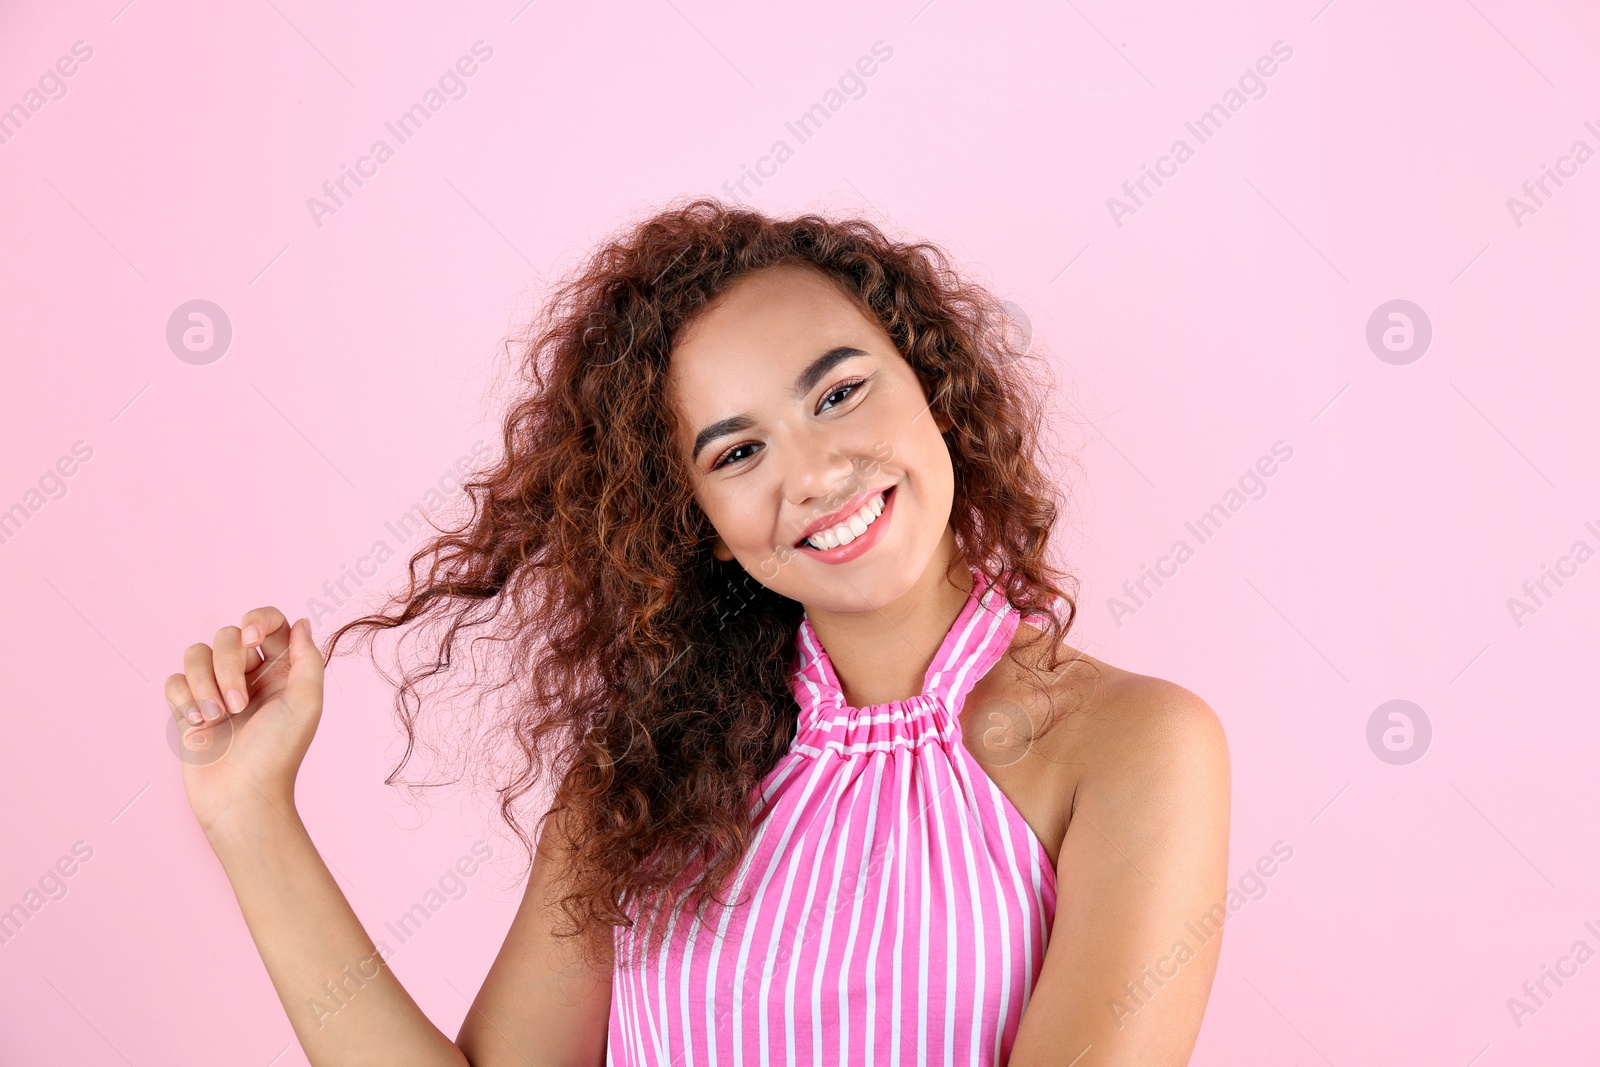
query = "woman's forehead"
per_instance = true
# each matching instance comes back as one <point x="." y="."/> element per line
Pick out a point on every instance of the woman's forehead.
<point x="776" y="315"/>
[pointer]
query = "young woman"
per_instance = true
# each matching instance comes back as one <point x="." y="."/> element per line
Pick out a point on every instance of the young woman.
<point x="766" y="557"/>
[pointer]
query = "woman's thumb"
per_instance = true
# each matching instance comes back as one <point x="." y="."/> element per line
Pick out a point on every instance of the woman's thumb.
<point x="305" y="665"/>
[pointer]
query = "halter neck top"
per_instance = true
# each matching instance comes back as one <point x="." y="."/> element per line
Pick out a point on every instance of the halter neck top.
<point x="893" y="907"/>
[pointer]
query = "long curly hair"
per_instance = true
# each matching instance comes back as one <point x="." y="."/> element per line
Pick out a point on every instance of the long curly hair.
<point x="651" y="682"/>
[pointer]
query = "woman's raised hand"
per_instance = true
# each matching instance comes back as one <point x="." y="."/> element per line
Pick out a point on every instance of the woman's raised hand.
<point x="246" y="707"/>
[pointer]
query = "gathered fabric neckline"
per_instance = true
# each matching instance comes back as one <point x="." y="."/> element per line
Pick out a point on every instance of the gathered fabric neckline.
<point x="979" y="636"/>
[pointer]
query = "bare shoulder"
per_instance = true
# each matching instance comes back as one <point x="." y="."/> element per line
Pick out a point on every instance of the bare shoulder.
<point x="1151" y="759"/>
<point x="1144" y="854"/>
<point x="1141" y="715"/>
<point x="1111" y="725"/>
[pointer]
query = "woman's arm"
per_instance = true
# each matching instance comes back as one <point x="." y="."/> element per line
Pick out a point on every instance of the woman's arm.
<point x="540" y="993"/>
<point x="1141" y="887"/>
<point x="248" y="707"/>
<point x="346" y="1006"/>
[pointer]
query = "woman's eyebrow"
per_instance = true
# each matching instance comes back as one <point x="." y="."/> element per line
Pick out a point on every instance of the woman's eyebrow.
<point x="803" y="384"/>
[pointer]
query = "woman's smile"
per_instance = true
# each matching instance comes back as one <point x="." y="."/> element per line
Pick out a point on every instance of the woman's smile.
<point x="844" y="541"/>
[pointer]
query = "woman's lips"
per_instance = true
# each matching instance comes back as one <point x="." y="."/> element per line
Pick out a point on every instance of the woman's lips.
<point x="827" y="522"/>
<point x="871" y="536"/>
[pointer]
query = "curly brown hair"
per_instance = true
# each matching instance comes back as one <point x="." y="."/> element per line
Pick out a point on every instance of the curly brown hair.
<point x="652" y="681"/>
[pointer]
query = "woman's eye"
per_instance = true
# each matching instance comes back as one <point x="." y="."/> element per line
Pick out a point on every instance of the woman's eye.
<point x="842" y="392"/>
<point x="732" y="456"/>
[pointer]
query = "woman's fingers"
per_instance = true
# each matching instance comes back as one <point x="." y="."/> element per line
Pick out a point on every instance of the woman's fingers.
<point x="267" y="630"/>
<point x="182" y="701"/>
<point x="228" y="664"/>
<point x="304" y="685"/>
<point x="215" y="678"/>
<point x="198" y="669"/>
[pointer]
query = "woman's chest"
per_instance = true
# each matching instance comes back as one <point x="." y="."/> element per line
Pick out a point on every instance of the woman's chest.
<point x="1035" y="760"/>
<point x="890" y="897"/>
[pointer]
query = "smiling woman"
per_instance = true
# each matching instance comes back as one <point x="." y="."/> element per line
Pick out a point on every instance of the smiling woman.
<point x="833" y="823"/>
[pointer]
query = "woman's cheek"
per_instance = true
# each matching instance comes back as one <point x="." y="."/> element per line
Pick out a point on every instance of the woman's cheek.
<point x="773" y="563"/>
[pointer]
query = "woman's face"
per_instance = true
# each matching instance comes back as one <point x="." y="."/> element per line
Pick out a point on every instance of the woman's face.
<point x="796" y="412"/>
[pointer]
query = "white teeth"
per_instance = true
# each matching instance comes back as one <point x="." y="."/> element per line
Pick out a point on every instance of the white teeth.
<point x="850" y="529"/>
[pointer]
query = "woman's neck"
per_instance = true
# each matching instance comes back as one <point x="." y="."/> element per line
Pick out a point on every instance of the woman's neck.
<point x="883" y="655"/>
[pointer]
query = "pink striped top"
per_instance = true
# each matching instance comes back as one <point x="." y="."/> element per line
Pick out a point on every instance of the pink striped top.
<point x="894" y="907"/>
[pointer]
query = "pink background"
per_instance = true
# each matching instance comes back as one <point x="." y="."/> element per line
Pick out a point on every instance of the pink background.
<point x="1226" y="313"/>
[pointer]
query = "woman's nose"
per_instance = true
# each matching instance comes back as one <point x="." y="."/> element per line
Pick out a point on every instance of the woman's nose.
<point x="816" y="469"/>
